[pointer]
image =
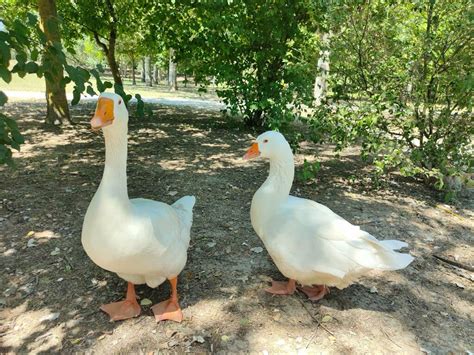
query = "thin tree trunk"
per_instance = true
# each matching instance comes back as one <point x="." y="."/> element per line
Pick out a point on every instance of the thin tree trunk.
<point x="320" y="83"/>
<point x="143" y="75"/>
<point x="185" y="80"/>
<point x="109" y="48"/>
<point x="148" y="71"/>
<point x="134" y="81"/>
<point x="112" y="40"/>
<point x="172" y="79"/>
<point x="255" y="119"/>
<point x="57" y="105"/>
<point x="113" y="65"/>
<point x="156" y="78"/>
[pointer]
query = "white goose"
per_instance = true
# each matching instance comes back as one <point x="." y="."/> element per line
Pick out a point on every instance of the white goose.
<point x="308" y="242"/>
<point x="143" y="241"/>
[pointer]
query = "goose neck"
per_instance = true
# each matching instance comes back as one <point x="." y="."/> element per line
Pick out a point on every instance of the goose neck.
<point x="280" y="178"/>
<point x="114" y="180"/>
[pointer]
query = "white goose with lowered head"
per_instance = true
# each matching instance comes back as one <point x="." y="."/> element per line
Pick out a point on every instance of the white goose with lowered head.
<point x="309" y="243"/>
<point x="143" y="241"/>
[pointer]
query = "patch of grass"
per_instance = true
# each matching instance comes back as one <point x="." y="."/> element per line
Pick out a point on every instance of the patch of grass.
<point x="32" y="83"/>
<point x="28" y="83"/>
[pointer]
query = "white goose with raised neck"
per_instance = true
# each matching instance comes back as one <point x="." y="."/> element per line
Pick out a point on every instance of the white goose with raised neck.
<point x="309" y="243"/>
<point x="142" y="240"/>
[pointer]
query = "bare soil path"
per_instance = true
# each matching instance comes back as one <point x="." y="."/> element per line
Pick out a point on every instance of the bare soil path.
<point x="51" y="291"/>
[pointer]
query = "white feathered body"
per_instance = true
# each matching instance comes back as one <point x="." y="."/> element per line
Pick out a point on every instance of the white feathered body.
<point x="144" y="241"/>
<point x="313" y="245"/>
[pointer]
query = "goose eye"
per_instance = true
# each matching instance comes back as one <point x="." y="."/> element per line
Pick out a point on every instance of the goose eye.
<point x="265" y="141"/>
<point x="120" y="102"/>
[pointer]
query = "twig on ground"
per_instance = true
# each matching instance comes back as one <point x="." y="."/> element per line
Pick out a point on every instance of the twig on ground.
<point x="454" y="263"/>
<point x="383" y="331"/>
<point x="311" y="340"/>
<point x="318" y="323"/>
<point x="365" y="222"/>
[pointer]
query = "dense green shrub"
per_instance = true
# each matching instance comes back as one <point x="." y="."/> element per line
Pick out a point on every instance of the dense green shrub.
<point x="402" y="86"/>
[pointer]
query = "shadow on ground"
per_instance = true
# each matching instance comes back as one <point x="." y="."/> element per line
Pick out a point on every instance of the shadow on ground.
<point x="52" y="291"/>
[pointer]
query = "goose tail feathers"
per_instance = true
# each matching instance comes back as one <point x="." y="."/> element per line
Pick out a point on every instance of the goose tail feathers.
<point x="184" y="208"/>
<point x="393" y="244"/>
<point x="380" y="254"/>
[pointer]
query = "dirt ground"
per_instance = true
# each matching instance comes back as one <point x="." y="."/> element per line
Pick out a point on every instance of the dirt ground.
<point x="51" y="291"/>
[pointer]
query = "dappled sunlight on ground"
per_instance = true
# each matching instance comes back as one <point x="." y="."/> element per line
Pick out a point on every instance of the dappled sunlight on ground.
<point x="52" y="291"/>
<point x="30" y="327"/>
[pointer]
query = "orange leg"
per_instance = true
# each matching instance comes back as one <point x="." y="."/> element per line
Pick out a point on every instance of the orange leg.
<point x="169" y="309"/>
<point x="282" y="287"/>
<point x="316" y="292"/>
<point x="128" y="308"/>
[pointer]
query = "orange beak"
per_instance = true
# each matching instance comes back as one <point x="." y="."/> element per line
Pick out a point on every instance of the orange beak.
<point x="252" y="153"/>
<point x="104" y="113"/>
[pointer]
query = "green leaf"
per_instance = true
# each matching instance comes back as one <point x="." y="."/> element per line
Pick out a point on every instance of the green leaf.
<point x="90" y="91"/>
<point x="5" y="54"/>
<point x="31" y="67"/>
<point x="76" y="97"/>
<point x="66" y="80"/>
<point x="3" y="98"/>
<point x="71" y="50"/>
<point x="34" y="55"/>
<point x="21" y="57"/>
<point x="17" y="137"/>
<point x="5" y="155"/>
<point x="20" y="32"/>
<point x="15" y="145"/>
<point x="11" y="123"/>
<point x="5" y="74"/>
<point x="41" y="36"/>
<point x="32" y="19"/>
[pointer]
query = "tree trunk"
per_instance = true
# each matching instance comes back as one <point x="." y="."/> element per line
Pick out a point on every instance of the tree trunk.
<point x="148" y="71"/>
<point x="57" y="106"/>
<point x="109" y="51"/>
<point x="320" y="83"/>
<point x="114" y="68"/>
<point x="255" y="119"/>
<point x="112" y="40"/>
<point x="143" y="75"/>
<point x="185" y="80"/>
<point x="113" y="64"/>
<point x="172" y="78"/>
<point x="156" y="74"/>
<point x="134" y="81"/>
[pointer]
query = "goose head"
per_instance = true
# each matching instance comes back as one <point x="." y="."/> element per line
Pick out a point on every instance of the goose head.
<point x="111" y="114"/>
<point x="271" y="145"/>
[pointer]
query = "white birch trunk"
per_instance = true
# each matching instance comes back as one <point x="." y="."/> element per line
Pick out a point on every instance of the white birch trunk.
<point x="172" y="79"/>
<point x="148" y="71"/>
<point x="320" y="83"/>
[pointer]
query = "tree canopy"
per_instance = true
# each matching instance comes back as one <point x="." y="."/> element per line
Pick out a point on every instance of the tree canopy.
<point x="397" y="76"/>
